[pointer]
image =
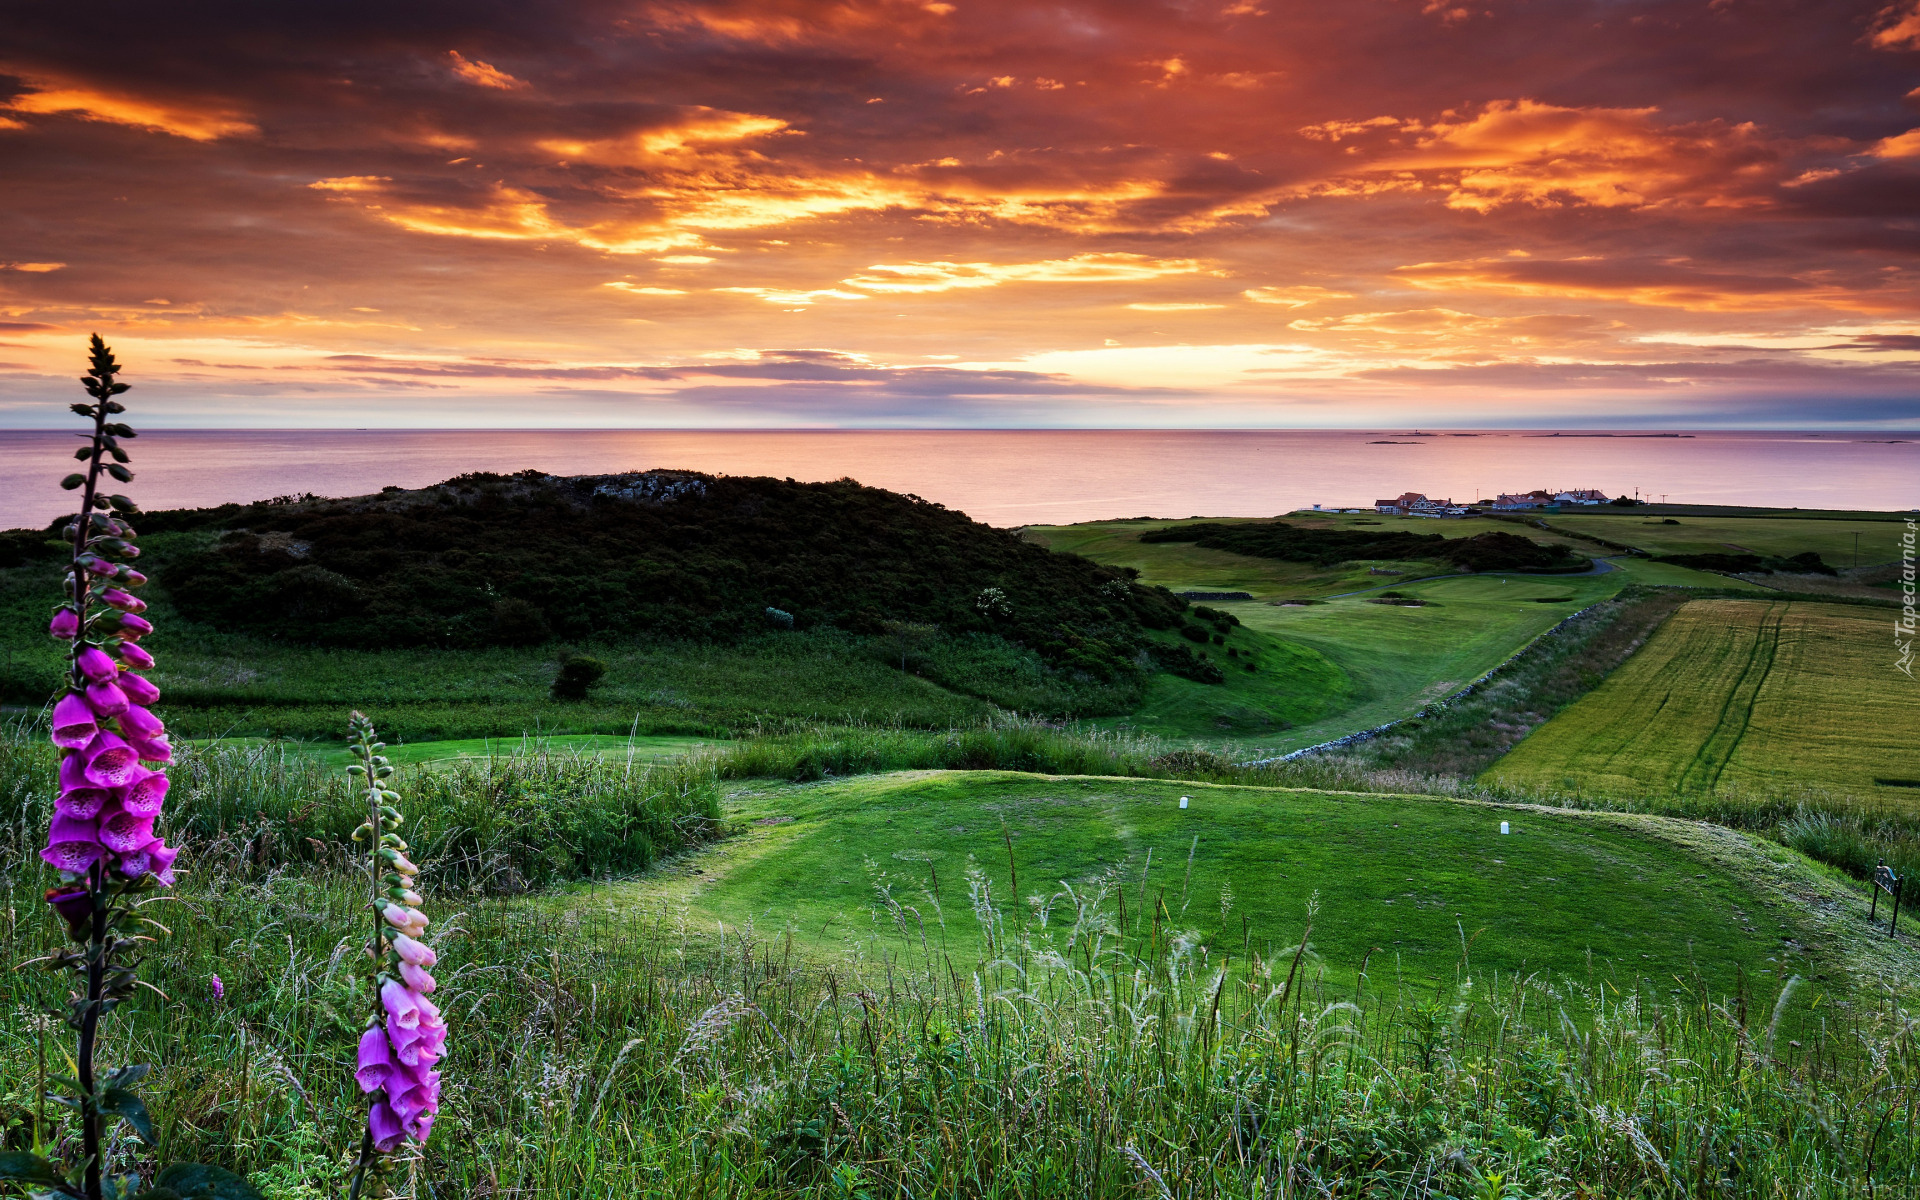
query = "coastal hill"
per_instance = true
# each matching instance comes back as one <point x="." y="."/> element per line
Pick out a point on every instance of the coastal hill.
<point x="500" y="560"/>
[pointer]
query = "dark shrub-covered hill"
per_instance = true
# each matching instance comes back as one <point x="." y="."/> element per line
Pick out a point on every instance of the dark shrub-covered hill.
<point x="1496" y="551"/>
<point x="518" y="559"/>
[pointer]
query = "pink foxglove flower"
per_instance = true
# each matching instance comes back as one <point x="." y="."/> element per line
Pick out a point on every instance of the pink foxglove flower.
<point x="110" y="761"/>
<point x="95" y="665"/>
<point x="107" y="699"/>
<point x="137" y="688"/>
<point x="134" y="627"/>
<point x="135" y="657"/>
<point x="406" y="1034"/>
<point x="74" y="722"/>
<point x="219" y="989"/>
<point x="155" y="751"/>
<point x="65" y="624"/>
<point x="139" y="722"/>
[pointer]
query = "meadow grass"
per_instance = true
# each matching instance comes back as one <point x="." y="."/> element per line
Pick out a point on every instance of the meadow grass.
<point x="601" y="1053"/>
<point x="502" y="824"/>
<point x="1777" y="536"/>
<point x="1747" y="694"/>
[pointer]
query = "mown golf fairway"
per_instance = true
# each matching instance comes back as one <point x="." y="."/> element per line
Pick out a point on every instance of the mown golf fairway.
<point x="872" y="866"/>
<point x="1731" y="695"/>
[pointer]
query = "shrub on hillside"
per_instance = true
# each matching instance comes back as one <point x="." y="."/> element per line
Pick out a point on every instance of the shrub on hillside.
<point x="578" y="673"/>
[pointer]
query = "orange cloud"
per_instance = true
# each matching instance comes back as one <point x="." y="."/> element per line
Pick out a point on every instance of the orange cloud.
<point x="1550" y="156"/>
<point x="1081" y="268"/>
<point x="1659" y="284"/>
<point x="1898" y="27"/>
<point x="1293" y="297"/>
<point x="1904" y="145"/>
<point x="482" y="74"/>
<point x="204" y="123"/>
<point x="702" y="129"/>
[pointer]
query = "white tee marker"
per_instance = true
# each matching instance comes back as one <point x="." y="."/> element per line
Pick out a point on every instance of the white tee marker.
<point x="1503" y="828"/>
<point x="1183" y="801"/>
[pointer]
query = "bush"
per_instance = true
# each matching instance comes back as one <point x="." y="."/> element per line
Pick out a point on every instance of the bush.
<point x="517" y="622"/>
<point x="577" y="674"/>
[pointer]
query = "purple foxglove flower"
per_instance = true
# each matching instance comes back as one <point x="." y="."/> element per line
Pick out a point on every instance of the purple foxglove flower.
<point x="145" y="795"/>
<point x="124" y="601"/>
<point x="421" y="1126"/>
<point x="139" y="721"/>
<point x="385" y="1127"/>
<point x="111" y="762"/>
<point x="418" y="953"/>
<point x="129" y="577"/>
<point x="406" y="1051"/>
<point x="138" y="688"/>
<point x="402" y="1005"/>
<point x="409" y="1104"/>
<point x="83" y="804"/>
<point x="95" y="665"/>
<point x="124" y="832"/>
<point x="376" y="1060"/>
<point x="132" y="627"/>
<point x="65" y="624"/>
<point x="154" y="751"/>
<point x="74" y="904"/>
<point x="155" y="859"/>
<point x="416" y="979"/>
<point x="99" y="566"/>
<point x="73" y="844"/>
<point x="107" y="699"/>
<point x="134" y="656"/>
<point x="74" y="724"/>
<point x="219" y="989"/>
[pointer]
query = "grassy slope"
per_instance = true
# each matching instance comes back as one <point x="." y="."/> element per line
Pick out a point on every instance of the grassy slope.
<point x="1738" y="694"/>
<point x="1401" y="658"/>
<point x="642" y="748"/>
<point x="1648" y="897"/>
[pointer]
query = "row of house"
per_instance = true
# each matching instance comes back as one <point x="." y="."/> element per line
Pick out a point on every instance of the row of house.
<point x="1520" y="502"/>
<point x="1413" y="504"/>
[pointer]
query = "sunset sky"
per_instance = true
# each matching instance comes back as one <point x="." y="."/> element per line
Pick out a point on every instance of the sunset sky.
<point x="1224" y="213"/>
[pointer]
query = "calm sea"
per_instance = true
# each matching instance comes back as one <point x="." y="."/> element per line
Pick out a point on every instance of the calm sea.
<point x="1017" y="477"/>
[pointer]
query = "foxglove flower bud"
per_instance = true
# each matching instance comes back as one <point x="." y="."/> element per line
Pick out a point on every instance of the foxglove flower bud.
<point x="122" y="600"/>
<point x="132" y="626"/>
<point x="134" y="656"/>
<point x="139" y="721"/>
<point x="138" y="688"/>
<point x="65" y="624"/>
<point x="107" y="699"/>
<point x="95" y="665"/>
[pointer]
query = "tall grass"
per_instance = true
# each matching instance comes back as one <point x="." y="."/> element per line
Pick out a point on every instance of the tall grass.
<point x="1092" y="1050"/>
<point x="503" y="824"/>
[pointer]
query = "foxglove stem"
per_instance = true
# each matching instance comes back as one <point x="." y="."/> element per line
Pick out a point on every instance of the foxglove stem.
<point x="406" y="1034"/>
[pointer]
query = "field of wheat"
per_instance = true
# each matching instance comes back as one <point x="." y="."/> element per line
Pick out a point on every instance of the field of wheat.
<point x="1753" y="696"/>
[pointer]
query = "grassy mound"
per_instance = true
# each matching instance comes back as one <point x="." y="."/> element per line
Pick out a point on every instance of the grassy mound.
<point x="1416" y="883"/>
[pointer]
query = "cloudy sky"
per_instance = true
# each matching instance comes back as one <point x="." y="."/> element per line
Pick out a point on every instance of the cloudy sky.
<point x="1221" y="213"/>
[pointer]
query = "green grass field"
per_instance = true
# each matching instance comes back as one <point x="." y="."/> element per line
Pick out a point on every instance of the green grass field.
<point x="1779" y="536"/>
<point x="1394" y="658"/>
<point x="640" y="748"/>
<point x="1739" y="695"/>
<point x="877" y="863"/>
<point x="1181" y="566"/>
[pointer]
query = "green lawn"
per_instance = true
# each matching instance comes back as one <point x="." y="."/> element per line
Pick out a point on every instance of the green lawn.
<point x="1832" y="539"/>
<point x="1404" y="879"/>
<point x="1740" y="696"/>
<point x="1181" y="566"/>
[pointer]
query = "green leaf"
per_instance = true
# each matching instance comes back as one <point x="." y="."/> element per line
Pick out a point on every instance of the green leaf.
<point x="128" y="1075"/>
<point x="21" y="1167"/>
<point x="122" y="1103"/>
<point x="197" y="1181"/>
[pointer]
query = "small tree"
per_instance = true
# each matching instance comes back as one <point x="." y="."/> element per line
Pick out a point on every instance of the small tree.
<point x="902" y="638"/>
<point x="577" y="674"/>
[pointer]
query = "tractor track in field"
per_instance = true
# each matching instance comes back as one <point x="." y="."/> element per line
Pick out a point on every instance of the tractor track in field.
<point x="1737" y="708"/>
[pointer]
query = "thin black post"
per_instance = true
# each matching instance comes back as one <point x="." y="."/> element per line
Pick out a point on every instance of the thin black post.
<point x="1899" y="885"/>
